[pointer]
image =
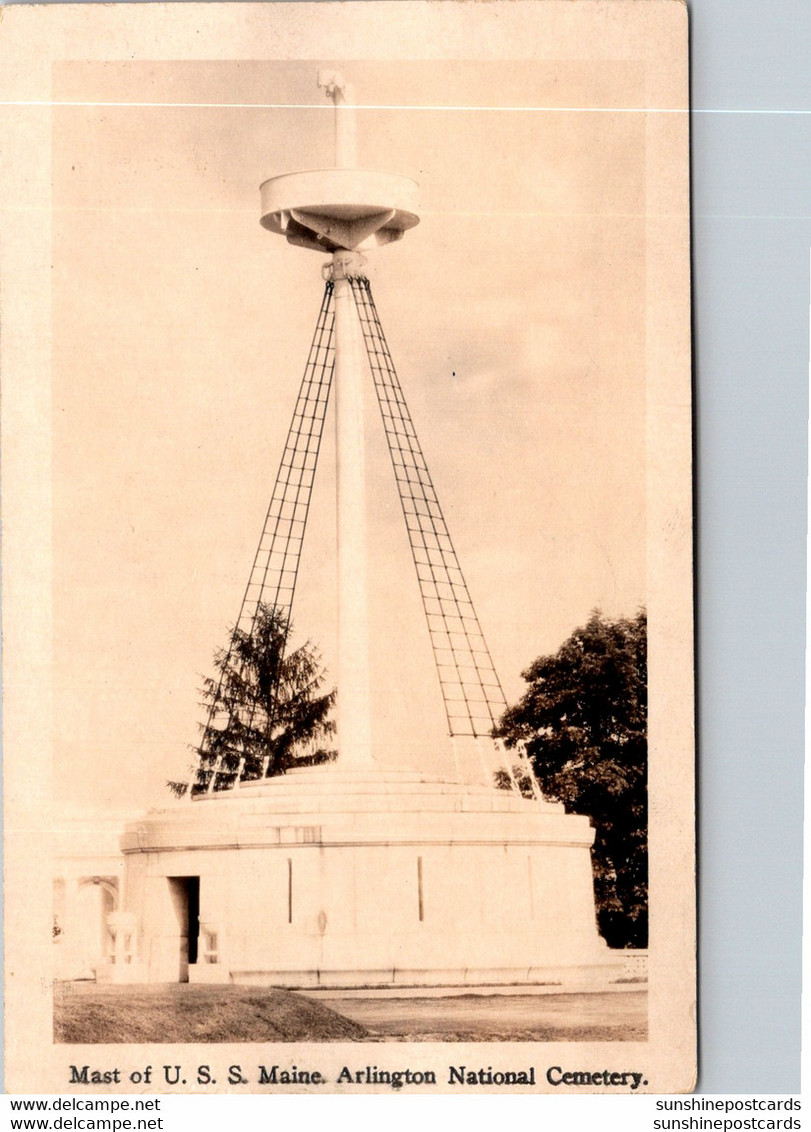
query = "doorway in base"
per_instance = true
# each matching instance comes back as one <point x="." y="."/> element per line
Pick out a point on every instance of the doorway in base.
<point x="185" y="895"/>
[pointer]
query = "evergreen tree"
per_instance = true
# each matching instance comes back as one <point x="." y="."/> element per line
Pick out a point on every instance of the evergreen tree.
<point x="266" y="711"/>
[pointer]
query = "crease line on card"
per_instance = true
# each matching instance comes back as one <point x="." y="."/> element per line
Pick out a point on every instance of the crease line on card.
<point x="47" y="102"/>
<point x="732" y="111"/>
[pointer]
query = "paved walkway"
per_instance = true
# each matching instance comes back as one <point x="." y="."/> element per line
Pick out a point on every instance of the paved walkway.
<point x="615" y="1015"/>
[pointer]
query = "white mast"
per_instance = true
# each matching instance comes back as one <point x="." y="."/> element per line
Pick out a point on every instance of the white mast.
<point x="354" y="702"/>
<point x="342" y="210"/>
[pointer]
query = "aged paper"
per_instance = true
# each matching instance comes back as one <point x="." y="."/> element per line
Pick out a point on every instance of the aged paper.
<point x="424" y="930"/>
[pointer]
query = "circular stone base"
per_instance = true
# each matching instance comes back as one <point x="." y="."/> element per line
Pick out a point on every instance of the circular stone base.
<point x="328" y="878"/>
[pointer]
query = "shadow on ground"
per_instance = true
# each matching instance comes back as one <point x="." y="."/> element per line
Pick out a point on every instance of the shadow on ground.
<point x="89" y="1013"/>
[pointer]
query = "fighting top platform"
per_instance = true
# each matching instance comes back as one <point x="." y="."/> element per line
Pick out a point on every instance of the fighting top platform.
<point x="343" y="208"/>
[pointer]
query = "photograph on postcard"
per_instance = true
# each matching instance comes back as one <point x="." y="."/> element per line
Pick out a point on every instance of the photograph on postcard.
<point x="369" y="472"/>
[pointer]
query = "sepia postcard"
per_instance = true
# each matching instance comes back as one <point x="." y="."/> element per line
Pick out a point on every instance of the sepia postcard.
<point x="347" y="557"/>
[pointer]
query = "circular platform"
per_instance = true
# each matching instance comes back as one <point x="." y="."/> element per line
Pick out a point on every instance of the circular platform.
<point x="333" y="209"/>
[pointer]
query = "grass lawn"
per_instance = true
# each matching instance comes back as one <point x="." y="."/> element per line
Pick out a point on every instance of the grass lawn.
<point x="87" y="1013"/>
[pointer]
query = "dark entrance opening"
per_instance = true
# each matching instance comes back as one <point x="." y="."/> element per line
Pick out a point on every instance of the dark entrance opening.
<point x="193" y="889"/>
<point x="185" y="892"/>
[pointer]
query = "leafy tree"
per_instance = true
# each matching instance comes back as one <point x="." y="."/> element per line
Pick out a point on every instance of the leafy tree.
<point x="584" y="722"/>
<point x="266" y="711"/>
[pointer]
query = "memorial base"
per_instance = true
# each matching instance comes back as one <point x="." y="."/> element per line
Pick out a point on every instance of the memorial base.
<point x="326" y="878"/>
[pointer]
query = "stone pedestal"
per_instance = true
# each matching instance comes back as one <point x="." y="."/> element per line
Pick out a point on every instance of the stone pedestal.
<point x="329" y="878"/>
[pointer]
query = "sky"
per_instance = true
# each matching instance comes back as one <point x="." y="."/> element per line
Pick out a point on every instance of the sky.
<point x="515" y="314"/>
